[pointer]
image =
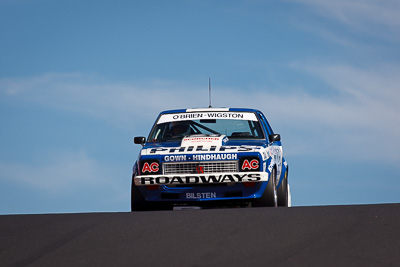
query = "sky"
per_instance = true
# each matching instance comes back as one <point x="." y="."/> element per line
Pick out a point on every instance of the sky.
<point x="80" y="79"/>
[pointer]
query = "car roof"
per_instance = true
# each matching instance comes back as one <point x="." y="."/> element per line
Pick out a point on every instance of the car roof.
<point x="208" y="110"/>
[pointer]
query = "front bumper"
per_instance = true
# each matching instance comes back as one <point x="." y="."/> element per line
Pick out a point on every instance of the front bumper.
<point x="203" y="188"/>
<point x="204" y="193"/>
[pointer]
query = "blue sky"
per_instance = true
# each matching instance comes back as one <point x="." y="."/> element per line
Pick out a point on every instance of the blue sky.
<point x="80" y="79"/>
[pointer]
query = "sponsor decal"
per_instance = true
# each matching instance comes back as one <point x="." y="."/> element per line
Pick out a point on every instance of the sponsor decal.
<point x="215" y="157"/>
<point x="207" y="115"/>
<point x="200" y="169"/>
<point x="163" y="150"/>
<point x="210" y="115"/>
<point x="201" y="195"/>
<point x="201" y="157"/>
<point x="150" y="167"/>
<point x="201" y="139"/>
<point x="204" y="140"/>
<point x="175" y="158"/>
<point x="198" y="179"/>
<point x="250" y="165"/>
<point x="225" y="140"/>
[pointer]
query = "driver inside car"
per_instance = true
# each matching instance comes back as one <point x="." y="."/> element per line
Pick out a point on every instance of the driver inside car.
<point x="179" y="129"/>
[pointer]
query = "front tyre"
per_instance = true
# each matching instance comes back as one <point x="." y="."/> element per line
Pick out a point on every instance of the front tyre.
<point x="269" y="197"/>
<point x="138" y="203"/>
<point x="283" y="192"/>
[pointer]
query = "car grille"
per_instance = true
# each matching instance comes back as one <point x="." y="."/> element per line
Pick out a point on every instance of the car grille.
<point x="200" y="167"/>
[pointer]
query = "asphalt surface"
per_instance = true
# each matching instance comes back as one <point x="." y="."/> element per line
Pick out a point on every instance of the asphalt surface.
<point x="364" y="235"/>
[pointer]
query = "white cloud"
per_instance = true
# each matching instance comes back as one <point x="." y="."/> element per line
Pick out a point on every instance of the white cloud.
<point x="377" y="18"/>
<point x="89" y="95"/>
<point x="61" y="173"/>
<point x="363" y="120"/>
<point x="363" y="113"/>
<point x="357" y="13"/>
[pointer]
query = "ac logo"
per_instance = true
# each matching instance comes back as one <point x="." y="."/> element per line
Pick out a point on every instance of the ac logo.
<point x="252" y="165"/>
<point x="153" y="167"/>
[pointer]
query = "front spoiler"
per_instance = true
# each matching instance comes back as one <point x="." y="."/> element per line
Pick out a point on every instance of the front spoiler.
<point x="188" y="179"/>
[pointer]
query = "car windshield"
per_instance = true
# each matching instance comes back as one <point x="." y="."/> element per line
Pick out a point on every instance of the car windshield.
<point x="235" y="125"/>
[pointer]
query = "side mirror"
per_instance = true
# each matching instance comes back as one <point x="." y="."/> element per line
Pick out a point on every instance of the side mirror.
<point x="274" y="137"/>
<point x="140" y="140"/>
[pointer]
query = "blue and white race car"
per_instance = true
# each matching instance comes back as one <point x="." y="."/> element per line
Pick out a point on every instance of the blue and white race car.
<point x="210" y="156"/>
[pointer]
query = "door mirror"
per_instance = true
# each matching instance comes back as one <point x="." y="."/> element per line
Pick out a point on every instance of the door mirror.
<point x="140" y="140"/>
<point x="274" y="137"/>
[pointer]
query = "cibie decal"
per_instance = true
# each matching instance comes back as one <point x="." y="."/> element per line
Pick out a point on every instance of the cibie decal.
<point x="153" y="167"/>
<point x="250" y="165"/>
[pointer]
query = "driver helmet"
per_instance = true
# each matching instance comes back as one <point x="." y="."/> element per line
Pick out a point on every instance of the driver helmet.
<point x="179" y="128"/>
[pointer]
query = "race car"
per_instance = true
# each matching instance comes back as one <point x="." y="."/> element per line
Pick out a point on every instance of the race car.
<point x="210" y="157"/>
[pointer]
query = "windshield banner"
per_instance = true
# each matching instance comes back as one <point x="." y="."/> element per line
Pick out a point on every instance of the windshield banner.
<point x="247" y="116"/>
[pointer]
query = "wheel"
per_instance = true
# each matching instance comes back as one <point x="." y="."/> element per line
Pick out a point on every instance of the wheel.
<point x="138" y="203"/>
<point x="283" y="195"/>
<point x="269" y="197"/>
